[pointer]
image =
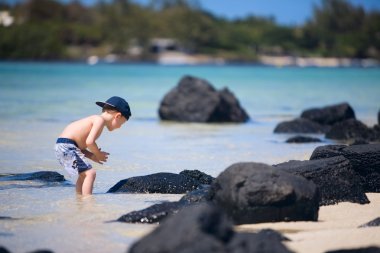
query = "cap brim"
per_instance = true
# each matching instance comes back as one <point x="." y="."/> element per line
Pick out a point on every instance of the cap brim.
<point x="101" y="104"/>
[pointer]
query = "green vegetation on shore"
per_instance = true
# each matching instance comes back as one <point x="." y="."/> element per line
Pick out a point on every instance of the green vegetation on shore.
<point x="48" y="29"/>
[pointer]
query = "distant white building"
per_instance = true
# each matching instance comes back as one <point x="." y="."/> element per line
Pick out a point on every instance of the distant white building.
<point x="6" y="19"/>
<point x="162" y="45"/>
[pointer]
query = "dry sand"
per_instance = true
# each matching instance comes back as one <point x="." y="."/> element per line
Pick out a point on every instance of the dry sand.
<point x="337" y="228"/>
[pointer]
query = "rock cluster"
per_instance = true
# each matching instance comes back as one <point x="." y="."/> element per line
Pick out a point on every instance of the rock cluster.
<point x="205" y="228"/>
<point x="337" y="122"/>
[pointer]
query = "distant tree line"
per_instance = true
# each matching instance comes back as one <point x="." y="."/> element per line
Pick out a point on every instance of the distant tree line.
<point x="49" y="29"/>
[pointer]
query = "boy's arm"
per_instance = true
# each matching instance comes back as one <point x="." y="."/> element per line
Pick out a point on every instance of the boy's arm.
<point x="96" y="130"/>
<point x="87" y="153"/>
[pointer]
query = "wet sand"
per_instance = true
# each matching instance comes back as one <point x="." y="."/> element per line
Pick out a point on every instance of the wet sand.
<point x="337" y="228"/>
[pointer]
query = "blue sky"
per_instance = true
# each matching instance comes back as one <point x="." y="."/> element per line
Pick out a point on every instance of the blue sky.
<point x="286" y="12"/>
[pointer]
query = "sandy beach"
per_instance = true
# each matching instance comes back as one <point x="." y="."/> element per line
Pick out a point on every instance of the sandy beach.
<point x="337" y="228"/>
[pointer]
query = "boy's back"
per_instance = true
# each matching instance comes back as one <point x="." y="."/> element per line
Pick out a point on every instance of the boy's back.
<point x="80" y="129"/>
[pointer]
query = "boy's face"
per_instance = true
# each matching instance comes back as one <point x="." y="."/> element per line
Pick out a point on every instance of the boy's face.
<point x="117" y="122"/>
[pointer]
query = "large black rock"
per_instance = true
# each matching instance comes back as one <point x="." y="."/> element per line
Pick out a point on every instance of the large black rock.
<point x="195" y="229"/>
<point x="335" y="178"/>
<point x="365" y="160"/>
<point x="255" y="192"/>
<point x="156" y="183"/>
<point x="196" y="100"/>
<point x="204" y="228"/>
<point x="329" y="115"/>
<point x="300" y="126"/>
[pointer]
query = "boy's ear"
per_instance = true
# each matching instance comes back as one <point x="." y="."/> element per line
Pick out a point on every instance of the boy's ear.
<point x="118" y="115"/>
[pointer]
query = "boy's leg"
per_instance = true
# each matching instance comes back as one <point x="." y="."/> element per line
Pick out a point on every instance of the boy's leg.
<point x="79" y="183"/>
<point x="88" y="181"/>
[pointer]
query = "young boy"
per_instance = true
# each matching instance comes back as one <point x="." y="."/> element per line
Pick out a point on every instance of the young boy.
<point x="77" y="141"/>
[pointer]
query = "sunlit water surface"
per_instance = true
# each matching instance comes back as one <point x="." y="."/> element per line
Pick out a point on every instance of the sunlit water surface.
<point x="38" y="100"/>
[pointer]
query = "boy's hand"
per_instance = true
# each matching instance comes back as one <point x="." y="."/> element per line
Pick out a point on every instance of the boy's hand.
<point x="101" y="157"/>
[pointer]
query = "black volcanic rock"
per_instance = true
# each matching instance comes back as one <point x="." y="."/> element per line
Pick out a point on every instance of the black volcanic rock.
<point x="329" y="115"/>
<point x="196" y="100"/>
<point x="205" y="228"/>
<point x="365" y="160"/>
<point x="300" y="126"/>
<point x="255" y="192"/>
<point x="302" y="139"/>
<point x="357" y="250"/>
<point x="200" y="176"/>
<point x="156" y="183"/>
<point x="152" y="214"/>
<point x="372" y="223"/>
<point x="335" y="178"/>
<point x="350" y="129"/>
<point x="158" y="212"/>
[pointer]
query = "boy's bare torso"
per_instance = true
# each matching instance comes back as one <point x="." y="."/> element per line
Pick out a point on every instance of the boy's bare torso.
<point x="80" y="129"/>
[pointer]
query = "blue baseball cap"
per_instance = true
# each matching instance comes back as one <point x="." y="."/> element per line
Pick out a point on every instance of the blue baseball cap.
<point x="119" y="104"/>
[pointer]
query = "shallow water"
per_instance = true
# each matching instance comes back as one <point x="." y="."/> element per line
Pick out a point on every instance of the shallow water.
<point x="37" y="100"/>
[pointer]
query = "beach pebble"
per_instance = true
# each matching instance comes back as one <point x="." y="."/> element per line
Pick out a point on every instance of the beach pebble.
<point x="335" y="178"/>
<point x="365" y="160"/>
<point x="196" y="100"/>
<point x="256" y="192"/>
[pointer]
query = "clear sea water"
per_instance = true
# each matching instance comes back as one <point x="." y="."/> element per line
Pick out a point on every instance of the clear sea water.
<point x="37" y="100"/>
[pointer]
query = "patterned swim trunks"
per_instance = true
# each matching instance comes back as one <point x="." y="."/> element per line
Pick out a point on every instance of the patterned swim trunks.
<point x="71" y="157"/>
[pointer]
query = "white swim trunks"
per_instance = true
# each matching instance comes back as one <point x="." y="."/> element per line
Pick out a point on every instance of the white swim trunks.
<point x="71" y="157"/>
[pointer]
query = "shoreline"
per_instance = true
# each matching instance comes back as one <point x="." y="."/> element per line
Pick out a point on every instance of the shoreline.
<point x="336" y="228"/>
<point x="192" y="61"/>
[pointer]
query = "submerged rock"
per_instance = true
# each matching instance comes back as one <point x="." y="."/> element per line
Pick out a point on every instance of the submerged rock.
<point x="156" y="183"/>
<point x="158" y="212"/>
<point x="255" y="192"/>
<point x="46" y="176"/>
<point x="152" y="214"/>
<point x="335" y="178"/>
<point x="372" y="223"/>
<point x="365" y="160"/>
<point x="302" y="139"/>
<point x="204" y="228"/>
<point x="196" y="100"/>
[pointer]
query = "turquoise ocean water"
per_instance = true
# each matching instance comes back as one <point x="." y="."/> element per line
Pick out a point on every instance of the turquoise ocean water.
<point x="37" y="100"/>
